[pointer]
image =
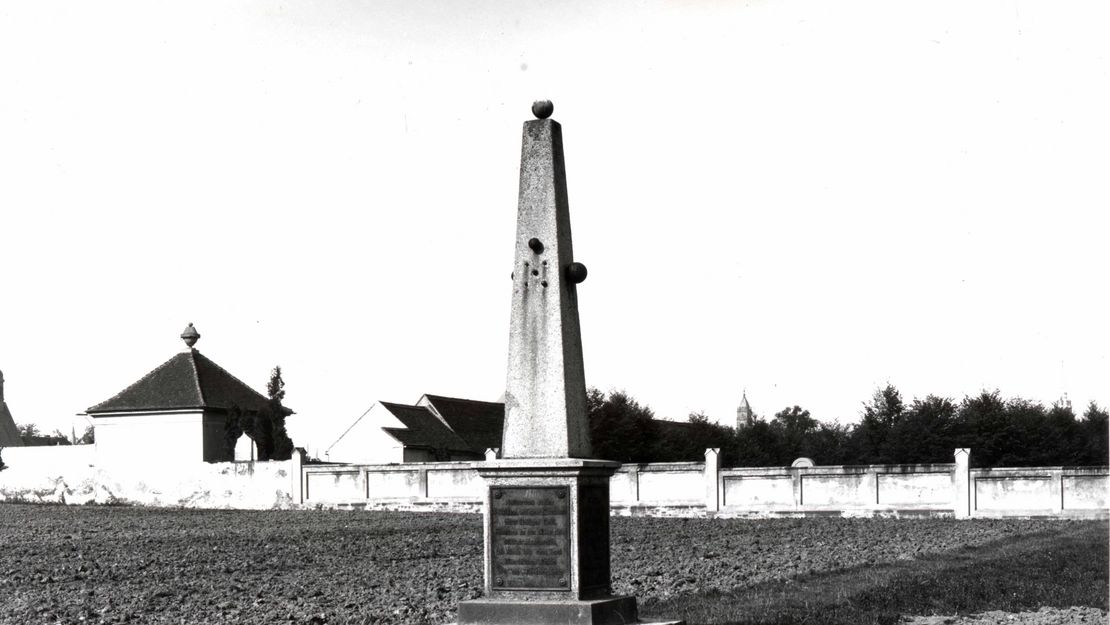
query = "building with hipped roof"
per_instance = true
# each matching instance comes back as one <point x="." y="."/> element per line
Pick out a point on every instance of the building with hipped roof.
<point x="176" y="413"/>
<point x="435" y="428"/>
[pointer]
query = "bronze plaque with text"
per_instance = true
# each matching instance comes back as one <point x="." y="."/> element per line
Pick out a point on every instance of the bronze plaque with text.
<point x="530" y="534"/>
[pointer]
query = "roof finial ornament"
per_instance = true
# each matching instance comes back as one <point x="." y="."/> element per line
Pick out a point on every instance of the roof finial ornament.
<point x="190" y="335"/>
<point x="542" y="109"/>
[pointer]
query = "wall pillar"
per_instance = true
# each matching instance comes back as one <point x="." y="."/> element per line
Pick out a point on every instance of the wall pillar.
<point x="296" y="473"/>
<point x="796" y="483"/>
<point x="634" y="483"/>
<point x="961" y="483"/>
<point x="422" y="483"/>
<point x="869" y="495"/>
<point x="1057" y="490"/>
<point x="712" y="477"/>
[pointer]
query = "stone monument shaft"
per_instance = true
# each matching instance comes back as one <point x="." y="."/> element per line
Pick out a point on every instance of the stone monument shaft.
<point x="546" y="512"/>
<point x="545" y="395"/>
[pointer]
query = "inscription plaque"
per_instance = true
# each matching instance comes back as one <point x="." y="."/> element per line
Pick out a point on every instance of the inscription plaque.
<point x="530" y="537"/>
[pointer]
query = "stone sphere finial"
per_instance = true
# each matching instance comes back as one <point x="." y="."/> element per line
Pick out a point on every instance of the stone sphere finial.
<point x="542" y="109"/>
<point x="190" y="335"/>
<point x="576" y="273"/>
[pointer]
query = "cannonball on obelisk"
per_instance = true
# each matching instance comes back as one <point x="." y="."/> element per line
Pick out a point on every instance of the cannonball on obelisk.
<point x="542" y="109"/>
<point x="576" y="273"/>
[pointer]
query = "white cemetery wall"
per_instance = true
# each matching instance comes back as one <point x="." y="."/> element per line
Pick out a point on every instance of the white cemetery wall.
<point x="393" y="484"/>
<point x="927" y="487"/>
<point x="847" y="489"/>
<point x="1086" y="488"/>
<point x="1029" y="490"/>
<point x="46" y="474"/>
<point x="773" y="490"/>
<point x="678" y="489"/>
<point x="1073" y="492"/>
<point x="671" y="482"/>
<point x="867" y="489"/>
<point x="333" y="485"/>
<point x="624" y="485"/>
<point x="234" y="485"/>
<point x="74" y="475"/>
<point x="431" y="486"/>
<point x="460" y="482"/>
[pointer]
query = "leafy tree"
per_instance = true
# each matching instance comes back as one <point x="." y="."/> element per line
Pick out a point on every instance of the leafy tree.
<point x="271" y="422"/>
<point x="1064" y="435"/>
<point x="620" y="428"/>
<point x="757" y="445"/>
<point x="688" y="441"/>
<point x="925" y="433"/>
<point x="878" y="419"/>
<point x="793" y="426"/>
<point x="828" y="444"/>
<point x="1014" y="432"/>
<point x="986" y="428"/>
<point x="1032" y="439"/>
<point x="1094" y="431"/>
<point x="88" y="437"/>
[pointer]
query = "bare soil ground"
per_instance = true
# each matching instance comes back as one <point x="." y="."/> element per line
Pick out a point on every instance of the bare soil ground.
<point x="1044" y="616"/>
<point x="63" y="564"/>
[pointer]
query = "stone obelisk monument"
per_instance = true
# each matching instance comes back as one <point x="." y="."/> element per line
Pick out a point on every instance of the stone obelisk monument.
<point x="547" y="503"/>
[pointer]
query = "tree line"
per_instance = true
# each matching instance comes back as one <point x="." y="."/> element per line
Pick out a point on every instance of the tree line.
<point x="31" y="435"/>
<point x="1012" y="432"/>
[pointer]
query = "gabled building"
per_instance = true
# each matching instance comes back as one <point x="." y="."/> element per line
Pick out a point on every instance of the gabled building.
<point x="435" y="428"/>
<point x="176" y="413"/>
<point x="9" y="433"/>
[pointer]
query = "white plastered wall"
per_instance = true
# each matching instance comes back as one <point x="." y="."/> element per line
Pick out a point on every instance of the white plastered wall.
<point x="160" y="439"/>
<point x="366" y="443"/>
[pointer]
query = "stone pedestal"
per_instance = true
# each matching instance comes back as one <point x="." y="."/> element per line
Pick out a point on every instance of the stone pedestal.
<point x="611" y="611"/>
<point x="547" y="545"/>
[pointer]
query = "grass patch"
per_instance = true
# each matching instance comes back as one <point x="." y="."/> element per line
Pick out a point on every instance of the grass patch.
<point x="1060" y="569"/>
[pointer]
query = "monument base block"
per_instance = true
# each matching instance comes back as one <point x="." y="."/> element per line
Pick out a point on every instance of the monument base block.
<point x="608" y="611"/>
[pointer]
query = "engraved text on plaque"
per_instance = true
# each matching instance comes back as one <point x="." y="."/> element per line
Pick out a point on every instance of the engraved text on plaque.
<point x="530" y="530"/>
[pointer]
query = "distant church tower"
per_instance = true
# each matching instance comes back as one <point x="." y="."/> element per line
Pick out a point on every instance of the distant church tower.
<point x="744" y="415"/>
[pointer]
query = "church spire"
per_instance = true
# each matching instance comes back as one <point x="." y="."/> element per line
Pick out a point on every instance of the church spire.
<point x="744" y="415"/>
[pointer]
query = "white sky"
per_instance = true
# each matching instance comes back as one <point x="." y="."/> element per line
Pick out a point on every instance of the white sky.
<point x="804" y="198"/>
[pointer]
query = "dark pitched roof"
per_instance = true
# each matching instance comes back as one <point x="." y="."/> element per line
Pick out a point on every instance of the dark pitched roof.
<point x="422" y="429"/>
<point x="479" y="423"/>
<point x="188" y="380"/>
<point x="672" y="429"/>
<point x="9" y="434"/>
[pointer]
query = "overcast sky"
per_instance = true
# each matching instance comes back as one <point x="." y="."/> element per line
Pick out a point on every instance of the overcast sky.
<point x="806" y="199"/>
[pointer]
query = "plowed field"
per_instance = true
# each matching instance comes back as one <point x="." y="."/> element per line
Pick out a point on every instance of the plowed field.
<point x="133" y="565"/>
